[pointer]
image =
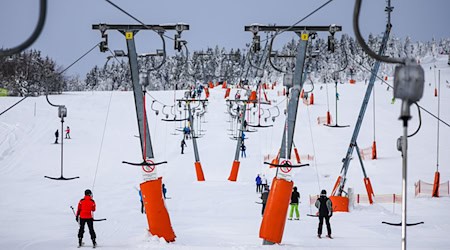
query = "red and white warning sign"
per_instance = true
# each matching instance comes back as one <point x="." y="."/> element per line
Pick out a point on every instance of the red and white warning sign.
<point x="285" y="171"/>
<point x="149" y="171"/>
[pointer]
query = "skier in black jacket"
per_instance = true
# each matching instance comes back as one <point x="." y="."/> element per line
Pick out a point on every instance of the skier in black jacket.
<point x="264" y="197"/>
<point x="295" y="197"/>
<point x="325" y="207"/>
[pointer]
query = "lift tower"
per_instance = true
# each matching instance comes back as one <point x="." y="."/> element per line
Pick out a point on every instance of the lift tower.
<point x="274" y="218"/>
<point x="157" y="216"/>
<point x="338" y="188"/>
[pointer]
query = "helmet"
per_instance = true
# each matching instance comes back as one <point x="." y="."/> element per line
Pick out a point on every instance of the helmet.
<point x="323" y="192"/>
<point x="87" y="192"/>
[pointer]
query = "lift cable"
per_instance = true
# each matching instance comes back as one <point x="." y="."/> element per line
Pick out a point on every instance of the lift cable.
<point x="37" y="31"/>
<point x="134" y="18"/>
<point x="381" y="79"/>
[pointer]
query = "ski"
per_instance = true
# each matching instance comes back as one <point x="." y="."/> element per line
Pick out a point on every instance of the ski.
<point x="312" y="215"/>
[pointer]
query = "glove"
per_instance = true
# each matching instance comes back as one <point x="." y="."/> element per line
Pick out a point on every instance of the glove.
<point x="77" y="218"/>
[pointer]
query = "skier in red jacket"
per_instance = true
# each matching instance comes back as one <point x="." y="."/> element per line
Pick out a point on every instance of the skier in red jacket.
<point x="86" y="207"/>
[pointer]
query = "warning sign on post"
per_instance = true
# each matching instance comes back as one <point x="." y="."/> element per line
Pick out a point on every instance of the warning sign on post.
<point x="285" y="171"/>
<point x="149" y="172"/>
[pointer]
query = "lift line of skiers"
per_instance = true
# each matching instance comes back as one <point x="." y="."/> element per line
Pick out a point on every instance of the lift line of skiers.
<point x="323" y="204"/>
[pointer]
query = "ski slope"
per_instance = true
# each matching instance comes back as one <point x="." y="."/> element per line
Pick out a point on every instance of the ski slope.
<point x="215" y="214"/>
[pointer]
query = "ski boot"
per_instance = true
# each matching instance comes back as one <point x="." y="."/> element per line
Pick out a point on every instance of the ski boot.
<point x="94" y="244"/>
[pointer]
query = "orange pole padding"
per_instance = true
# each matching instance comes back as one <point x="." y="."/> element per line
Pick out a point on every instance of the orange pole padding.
<point x="157" y="216"/>
<point x="284" y="91"/>
<point x="311" y="99"/>
<point x="234" y="171"/>
<point x="436" y="184"/>
<point x="340" y="203"/>
<point x="199" y="171"/>
<point x="374" y="150"/>
<point x="435" y="92"/>
<point x="274" y="218"/>
<point x="369" y="189"/>
<point x="207" y="93"/>
<point x="297" y="156"/>
<point x="227" y="93"/>
<point x="224" y="85"/>
<point x="352" y="81"/>
<point x="252" y="96"/>
<point x="302" y="94"/>
<point x="385" y="78"/>
<point x="211" y="85"/>
<point x="336" y="185"/>
<point x="328" y="118"/>
<point x="264" y="86"/>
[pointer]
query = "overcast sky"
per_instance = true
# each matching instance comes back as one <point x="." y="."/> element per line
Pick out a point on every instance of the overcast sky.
<point x="68" y="34"/>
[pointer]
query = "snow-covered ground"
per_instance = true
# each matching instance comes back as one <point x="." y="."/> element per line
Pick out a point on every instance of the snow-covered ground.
<point x="215" y="214"/>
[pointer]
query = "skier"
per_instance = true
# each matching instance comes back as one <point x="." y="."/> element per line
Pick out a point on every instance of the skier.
<point x="164" y="190"/>
<point x="243" y="147"/>
<point x="264" y="181"/>
<point x="258" y="184"/>
<point x="86" y="207"/>
<point x="183" y="144"/>
<point x="325" y="207"/>
<point x="295" y="197"/>
<point x="264" y="197"/>
<point x="187" y="132"/>
<point x="142" y="202"/>
<point x="67" y="132"/>
<point x="56" y="136"/>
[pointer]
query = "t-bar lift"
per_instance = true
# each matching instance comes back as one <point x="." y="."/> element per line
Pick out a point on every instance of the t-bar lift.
<point x="157" y="215"/>
<point x="274" y="217"/>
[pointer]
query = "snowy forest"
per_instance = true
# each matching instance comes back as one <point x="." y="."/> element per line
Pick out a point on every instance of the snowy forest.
<point x="30" y="73"/>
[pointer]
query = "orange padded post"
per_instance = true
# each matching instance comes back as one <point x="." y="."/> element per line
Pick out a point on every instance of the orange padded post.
<point x="207" y="93"/>
<point x="224" y="85"/>
<point x="302" y="94"/>
<point x="227" y="93"/>
<point x="199" y="171"/>
<point x="435" y="92"/>
<point x="436" y="184"/>
<point x="311" y="99"/>
<point x="352" y="81"/>
<point x="297" y="156"/>
<point x="211" y="85"/>
<point x="340" y="203"/>
<point x="157" y="216"/>
<point x="374" y="150"/>
<point x="252" y="96"/>
<point x="369" y="189"/>
<point x="328" y="118"/>
<point x="336" y="185"/>
<point x="274" y="219"/>
<point x="234" y="171"/>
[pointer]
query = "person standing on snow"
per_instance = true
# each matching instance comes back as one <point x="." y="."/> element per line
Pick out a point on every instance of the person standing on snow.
<point x="164" y="190"/>
<point x="295" y="197"/>
<point x="325" y="207"/>
<point x="243" y="148"/>
<point x="86" y="207"/>
<point x="67" y="132"/>
<point x="56" y="136"/>
<point x="264" y="197"/>
<point x="258" y="184"/>
<point x="183" y="144"/>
